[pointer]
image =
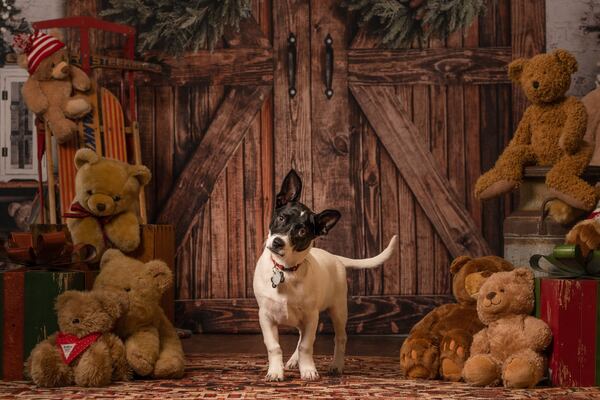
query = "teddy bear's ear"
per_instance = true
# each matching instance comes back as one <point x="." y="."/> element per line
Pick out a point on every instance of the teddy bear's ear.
<point x="58" y="34"/>
<point x="141" y="173"/>
<point x="524" y="273"/>
<point x="64" y="298"/>
<point x="85" y="156"/>
<point x="114" y="302"/>
<point x="110" y="255"/>
<point x="515" y="69"/>
<point x="566" y="59"/>
<point x="161" y="274"/>
<point x="13" y="208"/>
<point x="458" y="263"/>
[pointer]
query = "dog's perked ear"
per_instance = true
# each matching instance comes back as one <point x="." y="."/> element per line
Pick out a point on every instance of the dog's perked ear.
<point x="326" y="220"/>
<point x="291" y="188"/>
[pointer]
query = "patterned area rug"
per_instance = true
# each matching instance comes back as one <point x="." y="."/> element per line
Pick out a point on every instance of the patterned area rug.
<point x="241" y="377"/>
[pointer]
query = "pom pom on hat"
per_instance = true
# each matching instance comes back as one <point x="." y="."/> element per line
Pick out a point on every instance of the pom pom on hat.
<point x="37" y="46"/>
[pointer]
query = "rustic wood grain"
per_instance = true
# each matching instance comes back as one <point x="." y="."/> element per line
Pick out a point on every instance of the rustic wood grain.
<point x="163" y="121"/>
<point x="250" y="35"/>
<point x="236" y="223"/>
<point x="367" y="315"/>
<point x="431" y="189"/>
<point x="389" y="221"/>
<point x="440" y="66"/>
<point x="145" y="111"/>
<point x="183" y="145"/>
<point x="224" y="135"/>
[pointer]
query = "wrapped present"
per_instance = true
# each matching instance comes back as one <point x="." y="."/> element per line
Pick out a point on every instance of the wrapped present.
<point x="568" y="301"/>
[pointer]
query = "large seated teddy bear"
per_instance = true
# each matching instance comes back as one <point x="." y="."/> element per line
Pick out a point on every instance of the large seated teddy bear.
<point x="105" y="211"/>
<point x="152" y="346"/>
<point x="550" y="134"/>
<point x="438" y="345"/>
<point x="510" y="350"/>
<point x="84" y="352"/>
<point x="53" y="83"/>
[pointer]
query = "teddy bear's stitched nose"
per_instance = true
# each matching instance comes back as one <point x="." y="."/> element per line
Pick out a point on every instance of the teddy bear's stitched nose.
<point x="490" y="295"/>
<point x="75" y="321"/>
<point x="65" y="69"/>
<point x="101" y="206"/>
<point x="535" y="84"/>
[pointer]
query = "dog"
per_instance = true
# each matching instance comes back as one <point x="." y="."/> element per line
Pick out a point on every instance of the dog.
<point x="294" y="281"/>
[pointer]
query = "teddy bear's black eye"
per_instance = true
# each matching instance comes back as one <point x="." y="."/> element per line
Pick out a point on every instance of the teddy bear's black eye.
<point x="127" y="289"/>
<point x="75" y="321"/>
<point x="501" y="290"/>
<point x="89" y="192"/>
<point x="117" y="198"/>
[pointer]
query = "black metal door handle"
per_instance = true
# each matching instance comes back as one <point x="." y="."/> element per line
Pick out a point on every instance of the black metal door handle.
<point x="328" y="66"/>
<point x="291" y="54"/>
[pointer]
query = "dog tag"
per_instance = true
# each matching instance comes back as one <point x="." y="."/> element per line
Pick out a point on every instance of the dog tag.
<point x="277" y="278"/>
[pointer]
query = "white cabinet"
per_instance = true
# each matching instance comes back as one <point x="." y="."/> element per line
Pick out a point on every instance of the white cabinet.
<point x="18" y="139"/>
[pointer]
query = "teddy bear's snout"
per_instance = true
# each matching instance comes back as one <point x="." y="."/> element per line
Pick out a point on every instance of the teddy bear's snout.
<point x="490" y="295"/>
<point x="75" y="320"/>
<point x="535" y="84"/>
<point x="61" y="70"/>
<point x="101" y="206"/>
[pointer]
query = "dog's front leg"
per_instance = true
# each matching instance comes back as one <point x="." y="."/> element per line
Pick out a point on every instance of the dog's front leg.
<point x="271" y="339"/>
<point x="308" y="371"/>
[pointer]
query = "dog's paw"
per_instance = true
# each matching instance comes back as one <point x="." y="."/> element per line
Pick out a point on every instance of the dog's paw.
<point x="309" y="374"/>
<point x="336" y="368"/>
<point x="274" y="374"/>
<point x="292" y="362"/>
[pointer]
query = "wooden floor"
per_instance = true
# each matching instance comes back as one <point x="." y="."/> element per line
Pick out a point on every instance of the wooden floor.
<point x="363" y="345"/>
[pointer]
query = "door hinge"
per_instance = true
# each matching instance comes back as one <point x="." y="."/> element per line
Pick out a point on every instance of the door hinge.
<point x="5" y="152"/>
<point x="5" y="95"/>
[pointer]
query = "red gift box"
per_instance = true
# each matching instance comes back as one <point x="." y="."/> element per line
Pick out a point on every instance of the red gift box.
<point x="570" y="307"/>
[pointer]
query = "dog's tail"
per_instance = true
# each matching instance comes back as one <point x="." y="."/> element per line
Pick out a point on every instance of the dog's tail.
<point x="373" y="261"/>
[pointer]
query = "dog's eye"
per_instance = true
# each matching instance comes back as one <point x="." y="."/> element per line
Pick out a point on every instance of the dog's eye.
<point x="281" y="218"/>
<point x="302" y="232"/>
<point x="117" y="198"/>
<point x="89" y="192"/>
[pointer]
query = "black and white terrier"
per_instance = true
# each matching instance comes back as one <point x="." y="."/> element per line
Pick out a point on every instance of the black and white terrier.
<point x="294" y="281"/>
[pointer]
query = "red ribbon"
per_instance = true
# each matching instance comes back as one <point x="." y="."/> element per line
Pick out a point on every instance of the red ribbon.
<point x="80" y="213"/>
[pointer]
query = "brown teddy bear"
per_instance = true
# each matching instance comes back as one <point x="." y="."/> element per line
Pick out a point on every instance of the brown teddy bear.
<point x="438" y="345"/>
<point x="586" y="234"/>
<point x="510" y="349"/>
<point x="151" y="342"/>
<point x="48" y="91"/>
<point x="21" y="213"/>
<point x="105" y="209"/>
<point x="550" y="134"/>
<point x="84" y="352"/>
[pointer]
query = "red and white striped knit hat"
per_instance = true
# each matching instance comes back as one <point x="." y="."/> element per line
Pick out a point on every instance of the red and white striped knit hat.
<point x="37" y="46"/>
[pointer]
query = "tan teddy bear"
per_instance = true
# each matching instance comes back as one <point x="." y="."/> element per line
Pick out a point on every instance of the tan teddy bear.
<point x="83" y="352"/>
<point x="48" y="91"/>
<point x="510" y="350"/>
<point x="105" y="211"/>
<point x="151" y="342"/>
<point x="438" y="345"/>
<point x="550" y="134"/>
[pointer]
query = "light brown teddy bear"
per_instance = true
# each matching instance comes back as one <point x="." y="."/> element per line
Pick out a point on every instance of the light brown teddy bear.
<point x="438" y="345"/>
<point x="549" y="134"/>
<point x="49" y="90"/>
<point x="151" y="342"/>
<point x="83" y="352"/>
<point x="105" y="211"/>
<point x="510" y="350"/>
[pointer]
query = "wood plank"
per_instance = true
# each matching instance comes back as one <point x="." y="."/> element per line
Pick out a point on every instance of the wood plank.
<point x="145" y="111"/>
<point x="431" y="189"/>
<point x="389" y="220"/>
<point x="528" y="27"/>
<point x="371" y="207"/>
<point x="163" y="122"/>
<point x="479" y="66"/>
<point x="331" y="125"/>
<point x="183" y="138"/>
<point x="236" y="224"/>
<point x="367" y="315"/>
<point x="219" y="67"/>
<point x="250" y="35"/>
<point x="293" y="137"/>
<point x="224" y="135"/>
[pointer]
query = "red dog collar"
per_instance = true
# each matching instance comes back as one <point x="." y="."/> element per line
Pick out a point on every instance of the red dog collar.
<point x="282" y="267"/>
<point x="594" y="214"/>
<point x="70" y="346"/>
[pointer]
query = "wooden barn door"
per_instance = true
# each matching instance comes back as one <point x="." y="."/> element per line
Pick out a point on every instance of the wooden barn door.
<point x="396" y="149"/>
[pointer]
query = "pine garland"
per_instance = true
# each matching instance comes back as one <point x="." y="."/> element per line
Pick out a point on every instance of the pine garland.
<point x="401" y="22"/>
<point x="10" y="24"/>
<point x="176" y="26"/>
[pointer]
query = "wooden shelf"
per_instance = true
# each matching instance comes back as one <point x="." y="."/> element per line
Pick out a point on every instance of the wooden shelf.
<point x="19" y="185"/>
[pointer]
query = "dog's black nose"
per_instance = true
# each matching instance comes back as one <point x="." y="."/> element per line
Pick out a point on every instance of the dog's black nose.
<point x="490" y="295"/>
<point x="278" y="243"/>
<point x="101" y="206"/>
<point x="535" y="84"/>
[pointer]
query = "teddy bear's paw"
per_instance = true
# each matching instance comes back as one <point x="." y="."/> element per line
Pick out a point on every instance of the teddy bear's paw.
<point x="519" y="373"/>
<point x="563" y="213"/>
<point x="78" y="107"/>
<point x="47" y="369"/>
<point x="496" y="189"/>
<point x="63" y="129"/>
<point x="586" y="234"/>
<point x="169" y="367"/>
<point x="481" y="370"/>
<point x="139" y="362"/>
<point x="453" y="356"/>
<point x="92" y="375"/>
<point x="419" y="359"/>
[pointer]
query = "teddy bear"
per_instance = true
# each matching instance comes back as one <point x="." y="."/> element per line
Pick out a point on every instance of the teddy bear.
<point x="510" y="350"/>
<point x="438" y="345"/>
<point x="586" y="234"/>
<point x="21" y="213"/>
<point x="84" y="352"/>
<point x="152" y="346"/>
<point x="49" y="90"/>
<point x="104" y="212"/>
<point x="550" y="134"/>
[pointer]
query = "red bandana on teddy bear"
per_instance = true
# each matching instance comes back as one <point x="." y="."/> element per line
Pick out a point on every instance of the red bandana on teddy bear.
<point x="71" y="346"/>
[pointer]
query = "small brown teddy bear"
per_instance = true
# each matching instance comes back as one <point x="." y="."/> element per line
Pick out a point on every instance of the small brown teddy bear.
<point x="586" y="234"/>
<point x="52" y="80"/>
<point x="151" y="342"/>
<point x="21" y="213"/>
<point x="438" y="345"/>
<point x="510" y="350"/>
<point x="105" y="210"/>
<point x="550" y="133"/>
<point x="84" y="352"/>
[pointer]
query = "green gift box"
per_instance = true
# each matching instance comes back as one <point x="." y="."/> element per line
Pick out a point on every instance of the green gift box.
<point x="27" y="312"/>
